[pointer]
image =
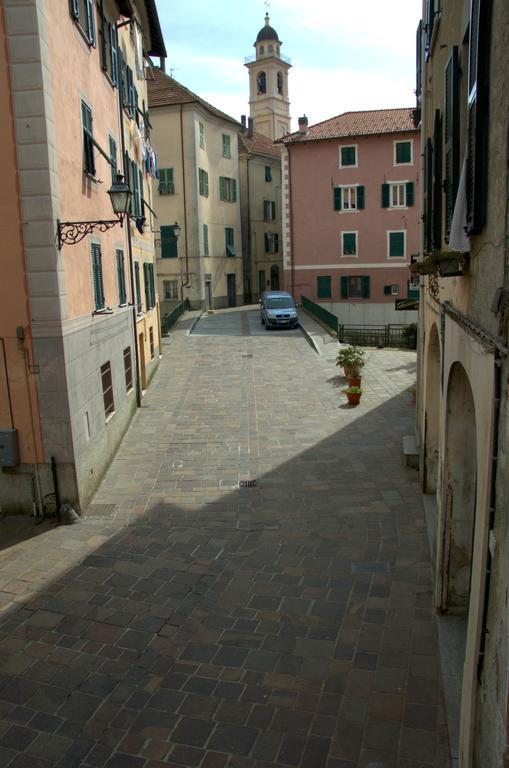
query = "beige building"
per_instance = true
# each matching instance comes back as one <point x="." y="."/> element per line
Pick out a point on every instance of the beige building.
<point x="200" y="259"/>
<point x="269" y="100"/>
<point x="464" y="370"/>
<point x="260" y="196"/>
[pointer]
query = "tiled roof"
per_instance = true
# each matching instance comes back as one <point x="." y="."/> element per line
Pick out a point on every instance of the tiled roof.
<point x="375" y="121"/>
<point x="258" y="145"/>
<point x="164" y="90"/>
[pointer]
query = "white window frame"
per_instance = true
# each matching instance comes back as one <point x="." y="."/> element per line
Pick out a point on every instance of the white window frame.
<point x="394" y="290"/>
<point x="350" y="232"/>
<point x="201" y="130"/>
<point x="344" y="187"/>
<point x="227" y="146"/>
<point x="390" y="232"/>
<point x="349" y="146"/>
<point x="171" y="282"/>
<point x="393" y="184"/>
<point x="402" y="141"/>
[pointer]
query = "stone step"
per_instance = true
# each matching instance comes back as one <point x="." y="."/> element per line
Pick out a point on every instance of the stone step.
<point x="410" y="452"/>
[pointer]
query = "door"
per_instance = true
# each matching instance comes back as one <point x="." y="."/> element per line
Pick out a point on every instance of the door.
<point x="232" y="291"/>
<point x="208" y="294"/>
<point x="274" y="278"/>
<point x="143" y="372"/>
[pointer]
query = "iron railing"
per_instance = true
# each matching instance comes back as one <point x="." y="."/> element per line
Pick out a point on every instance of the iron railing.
<point x="171" y="317"/>
<point x="320" y="313"/>
<point x="403" y="336"/>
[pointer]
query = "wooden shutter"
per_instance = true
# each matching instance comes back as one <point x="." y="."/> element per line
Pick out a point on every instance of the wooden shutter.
<point x="437" y="181"/>
<point x="121" y="277"/>
<point x="451" y="136"/>
<point x="147" y="285"/>
<point x="386" y="195"/>
<point x="74" y="7"/>
<point x="430" y="22"/>
<point x="88" y="144"/>
<point x="337" y="201"/>
<point x="113" y="157"/>
<point x="344" y="287"/>
<point x="418" y="63"/>
<point x="396" y="244"/>
<point x="267" y="242"/>
<point x="136" y="193"/>
<point x="428" y="196"/>
<point x="97" y="276"/>
<point x="349" y="243"/>
<point x="113" y="53"/>
<point x="222" y="188"/>
<point x="138" y="286"/>
<point x="168" y="243"/>
<point x="478" y="117"/>
<point x="323" y="287"/>
<point x="360" y="197"/>
<point x="387" y="290"/>
<point x="233" y="190"/>
<point x="409" y="193"/>
<point x="152" y="285"/>
<point x="107" y="388"/>
<point x="89" y="10"/>
<point x="140" y="187"/>
<point x="365" y="282"/>
<point x="205" y="240"/>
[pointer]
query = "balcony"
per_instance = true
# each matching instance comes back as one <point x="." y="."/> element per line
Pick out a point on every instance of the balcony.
<point x="251" y="59"/>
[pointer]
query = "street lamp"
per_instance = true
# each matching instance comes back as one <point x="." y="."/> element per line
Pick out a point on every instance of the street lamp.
<point x="176" y="231"/>
<point x="71" y="232"/>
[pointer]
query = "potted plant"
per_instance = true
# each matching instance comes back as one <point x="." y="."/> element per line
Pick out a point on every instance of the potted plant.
<point x="354" y="395"/>
<point x="351" y="359"/>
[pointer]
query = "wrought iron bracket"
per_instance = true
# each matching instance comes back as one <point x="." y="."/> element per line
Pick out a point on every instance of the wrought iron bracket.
<point x="71" y="232"/>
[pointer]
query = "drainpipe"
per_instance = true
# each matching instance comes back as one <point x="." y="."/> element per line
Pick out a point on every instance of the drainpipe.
<point x="186" y="284"/>
<point x="7" y="382"/>
<point x="129" y="240"/>
<point x="249" y="250"/>
<point x="291" y="218"/>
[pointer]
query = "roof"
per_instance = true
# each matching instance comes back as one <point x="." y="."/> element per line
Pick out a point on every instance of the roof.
<point x="157" y="47"/>
<point x="164" y="91"/>
<point x="370" y="122"/>
<point x="258" y="144"/>
<point x="267" y="32"/>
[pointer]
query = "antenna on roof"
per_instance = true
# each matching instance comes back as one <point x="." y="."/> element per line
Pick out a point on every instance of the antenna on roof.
<point x="173" y="69"/>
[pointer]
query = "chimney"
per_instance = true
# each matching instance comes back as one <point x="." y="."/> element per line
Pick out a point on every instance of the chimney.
<point x="162" y="64"/>
<point x="250" y="127"/>
<point x="303" y="125"/>
<point x="243" y="123"/>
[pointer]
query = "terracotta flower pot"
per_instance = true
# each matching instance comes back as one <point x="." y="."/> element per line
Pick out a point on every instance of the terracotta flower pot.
<point x="354" y="380"/>
<point x="354" y="398"/>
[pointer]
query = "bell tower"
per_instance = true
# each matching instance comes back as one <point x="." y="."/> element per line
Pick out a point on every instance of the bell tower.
<point x="269" y="103"/>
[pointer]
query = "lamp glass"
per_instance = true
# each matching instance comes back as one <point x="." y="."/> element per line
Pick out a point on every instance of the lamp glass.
<point x="120" y="195"/>
<point x="176" y="230"/>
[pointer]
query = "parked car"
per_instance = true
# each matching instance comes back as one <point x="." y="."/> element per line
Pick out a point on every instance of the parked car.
<point x="278" y="310"/>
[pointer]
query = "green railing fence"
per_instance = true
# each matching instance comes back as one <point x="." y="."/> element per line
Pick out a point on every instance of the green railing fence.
<point x="320" y="313"/>
<point x="403" y="336"/>
<point x="171" y="317"/>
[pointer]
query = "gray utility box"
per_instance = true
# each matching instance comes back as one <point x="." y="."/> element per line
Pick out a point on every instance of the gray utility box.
<point x="9" y="448"/>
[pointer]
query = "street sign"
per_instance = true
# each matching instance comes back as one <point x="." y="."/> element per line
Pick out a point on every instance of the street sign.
<point x="404" y="304"/>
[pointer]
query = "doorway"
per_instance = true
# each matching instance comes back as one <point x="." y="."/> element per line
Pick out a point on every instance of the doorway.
<point x="232" y="290"/>
<point x="143" y="372"/>
<point x="274" y="278"/>
<point x="208" y="295"/>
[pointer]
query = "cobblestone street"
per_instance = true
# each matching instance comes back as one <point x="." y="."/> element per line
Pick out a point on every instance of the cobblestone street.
<point x="250" y="587"/>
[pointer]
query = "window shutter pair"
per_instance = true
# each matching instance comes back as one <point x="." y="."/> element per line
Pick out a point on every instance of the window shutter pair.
<point x="97" y="276"/>
<point x="323" y="287"/>
<point x="168" y="243"/>
<point x="166" y="183"/>
<point x="121" y="277"/>
<point x="437" y="182"/>
<point x="338" y="198"/>
<point x="478" y="103"/>
<point x="451" y="136"/>
<point x="349" y="243"/>
<point x="396" y="244"/>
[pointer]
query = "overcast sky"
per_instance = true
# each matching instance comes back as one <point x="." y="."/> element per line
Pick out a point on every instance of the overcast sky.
<point x="346" y="54"/>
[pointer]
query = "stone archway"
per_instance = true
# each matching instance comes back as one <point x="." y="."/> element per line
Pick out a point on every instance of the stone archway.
<point x="458" y="494"/>
<point x="432" y="412"/>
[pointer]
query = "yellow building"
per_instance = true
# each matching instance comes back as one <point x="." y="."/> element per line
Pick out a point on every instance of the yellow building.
<point x="464" y="371"/>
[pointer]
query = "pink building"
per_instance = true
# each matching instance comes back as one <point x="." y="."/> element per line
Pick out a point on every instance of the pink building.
<point x="350" y="218"/>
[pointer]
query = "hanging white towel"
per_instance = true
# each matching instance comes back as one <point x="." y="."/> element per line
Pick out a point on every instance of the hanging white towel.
<point x="458" y="240"/>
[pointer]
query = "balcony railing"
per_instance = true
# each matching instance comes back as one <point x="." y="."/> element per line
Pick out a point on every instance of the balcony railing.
<point x="251" y="59"/>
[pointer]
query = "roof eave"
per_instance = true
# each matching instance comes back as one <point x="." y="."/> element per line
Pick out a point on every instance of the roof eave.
<point x="157" y="47"/>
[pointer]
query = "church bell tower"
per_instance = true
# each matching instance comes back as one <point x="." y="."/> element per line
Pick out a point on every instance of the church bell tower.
<point x="269" y="103"/>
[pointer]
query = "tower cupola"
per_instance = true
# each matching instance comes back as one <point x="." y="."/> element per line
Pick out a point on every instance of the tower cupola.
<point x="267" y="40"/>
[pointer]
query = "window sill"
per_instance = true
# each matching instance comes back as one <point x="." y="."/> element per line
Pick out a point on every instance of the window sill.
<point x="124" y="304"/>
<point x="397" y="208"/>
<point x="129" y="391"/>
<point x="109" y="417"/>
<point x="345" y="167"/>
<point x="105" y="311"/>
<point x="351" y="210"/>
<point x="403" y="165"/>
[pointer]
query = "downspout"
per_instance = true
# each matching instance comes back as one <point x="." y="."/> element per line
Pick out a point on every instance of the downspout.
<point x="9" y="398"/>
<point x="186" y="284"/>
<point x="249" y="249"/>
<point x="291" y="218"/>
<point x="129" y="241"/>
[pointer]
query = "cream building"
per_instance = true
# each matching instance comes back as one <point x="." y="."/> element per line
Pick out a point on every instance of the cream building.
<point x="269" y="100"/>
<point x="198" y="190"/>
<point x="464" y="370"/>
<point x="260" y="195"/>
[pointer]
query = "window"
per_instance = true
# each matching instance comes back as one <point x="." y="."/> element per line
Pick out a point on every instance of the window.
<point x="202" y="135"/>
<point x="451" y="136"/>
<point x="226" y="146"/>
<point x="139" y="306"/>
<point x="268" y="173"/>
<point x="271" y="242"/>
<point x="171" y="289"/>
<point x="227" y="189"/>
<point x="113" y="158"/>
<point x="397" y="194"/>
<point x="82" y="12"/>
<point x="356" y="287"/>
<point x="279" y="82"/>
<point x="403" y="153"/>
<point x="128" y="369"/>
<point x="430" y="11"/>
<point x="391" y="290"/>
<point x="348" y="156"/>
<point x="88" y="140"/>
<point x="323" y="287"/>
<point x="261" y="82"/>
<point x="205" y="239"/>
<point x="349" y="244"/>
<point x="203" y="182"/>
<point x="348" y="198"/>
<point x="228" y="236"/>
<point x="108" y="47"/>
<point x="134" y="183"/>
<point x="107" y="385"/>
<point x="168" y="243"/>
<point x="396" y="242"/>
<point x="122" y="296"/>
<point x="97" y="277"/>
<point x="166" y="182"/>
<point x="148" y="276"/>
<point x="151" y="341"/>
<point x="269" y="210"/>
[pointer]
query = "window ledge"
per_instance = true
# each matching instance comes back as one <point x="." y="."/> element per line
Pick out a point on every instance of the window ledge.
<point x="105" y="311"/>
<point x="124" y="304"/>
<point x="352" y="210"/>
<point x="397" y="208"/>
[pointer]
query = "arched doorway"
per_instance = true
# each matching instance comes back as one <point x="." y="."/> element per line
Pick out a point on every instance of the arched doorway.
<point x="458" y="494"/>
<point x="431" y="415"/>
<point x="274" y="278"/>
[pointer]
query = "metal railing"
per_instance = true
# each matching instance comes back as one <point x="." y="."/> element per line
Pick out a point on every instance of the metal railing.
<point x="320" y="313"/>
<point x="252" y="58"/>
<point x="403" y="336"/>
<point x="171" y="317"/>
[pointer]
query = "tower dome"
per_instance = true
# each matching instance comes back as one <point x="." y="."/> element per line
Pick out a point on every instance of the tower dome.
<point x="267" y="32"/>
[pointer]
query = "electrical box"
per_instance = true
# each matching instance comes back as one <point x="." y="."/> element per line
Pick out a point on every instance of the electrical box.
<point x="9" y="448"/>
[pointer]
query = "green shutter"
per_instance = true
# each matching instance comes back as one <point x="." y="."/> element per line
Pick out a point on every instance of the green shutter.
<point x="337" y="199"/>
<point x="349" y="243"/>
<point x="437" y="182"/>
<point x="344" y="287"/>
<point x="360" y="197"/>
<point x="97" y="276"/>
<point x="387" y="290"/>
<point x="403" y="152"/>
<point x="451" y="136"/>
<point x="134" y="179"/>
<point x="140" y="185"/>
<point x="427" y="196"/>
<point x="121" y="277"/>
<point x="276" y="242"/>
<point x="89" y="10"/>
<point x="168" y="243"/>
<point x="74" y="7"/>
<point x="222" y="188"/>
<point x="152" y="285"/>
<point x="409" y="193"/>
<point x="323" y="287"/>
<point x="348" y="155"/>
<point x="205" y="240"/>
<point x="365" y="287"/>
<point x="113" y="158"/>
<point x="138" y="285"/>
<point x="396" y="244"/>
<point x="234" y="190"/>
<point x="386" y="195"/>
<point x="147" y="286"/>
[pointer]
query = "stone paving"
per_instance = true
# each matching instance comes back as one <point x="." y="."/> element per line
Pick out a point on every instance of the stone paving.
<point x="250" y="587"/>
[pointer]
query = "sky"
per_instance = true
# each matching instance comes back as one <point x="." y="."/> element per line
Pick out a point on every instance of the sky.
<point x="346" y="54"/>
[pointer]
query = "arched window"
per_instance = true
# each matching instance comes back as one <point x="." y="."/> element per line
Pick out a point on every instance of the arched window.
<point x="261" y="82"/>
<point x="271" y="48"/>
<point x="279" y="82"/>
<point x="261" y="48"/>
